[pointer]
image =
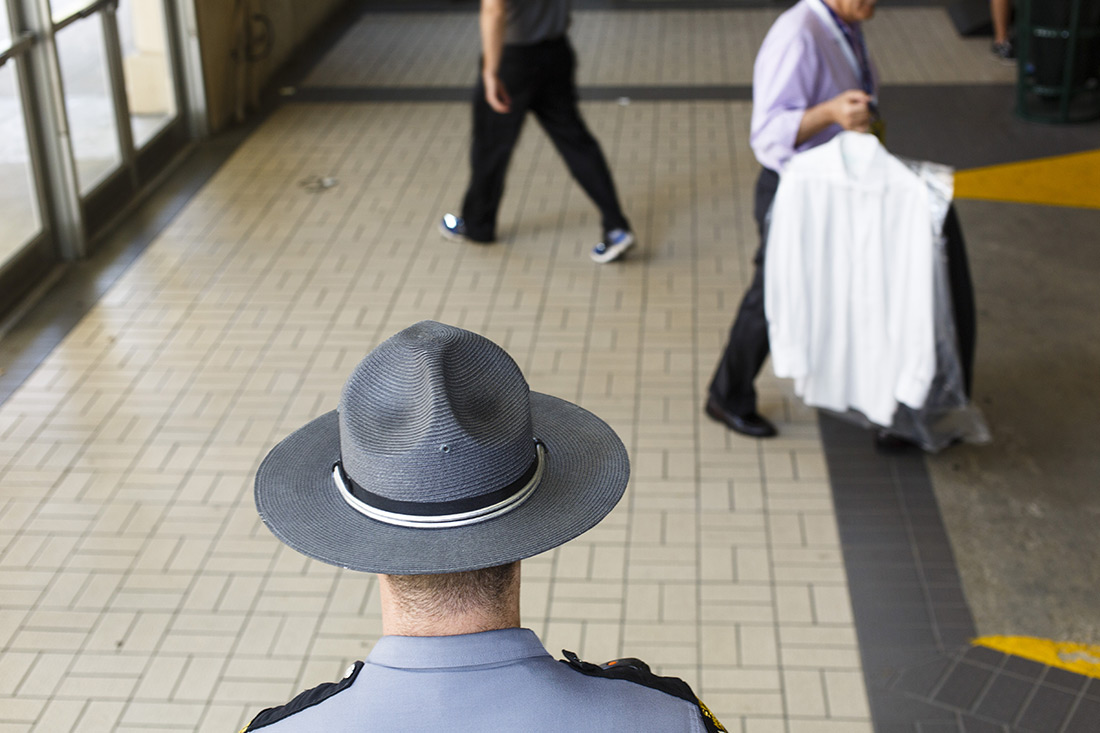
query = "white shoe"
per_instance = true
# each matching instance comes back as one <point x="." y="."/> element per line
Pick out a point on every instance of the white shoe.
<point x="453" y="228"/>
<point x="618" y="242"/>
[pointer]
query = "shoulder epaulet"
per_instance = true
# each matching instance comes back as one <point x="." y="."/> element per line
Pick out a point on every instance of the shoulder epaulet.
<point x="304" y="700"/>
<point x="638" y="672"/>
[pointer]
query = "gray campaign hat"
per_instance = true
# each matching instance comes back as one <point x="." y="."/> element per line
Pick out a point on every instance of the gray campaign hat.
<point x="440" y="459"/>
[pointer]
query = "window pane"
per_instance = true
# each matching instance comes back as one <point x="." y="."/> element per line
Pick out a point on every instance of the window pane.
<point x="92" y="123"/>
<point x="149" y="88"/>
<point x="5" y="26"/>
<point x="61" y="9"/>
<point x="18" y="198"/>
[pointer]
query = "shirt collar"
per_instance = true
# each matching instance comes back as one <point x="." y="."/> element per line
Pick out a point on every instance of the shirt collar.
<point x="860" y="156"/>
<point x="468" y="650"/>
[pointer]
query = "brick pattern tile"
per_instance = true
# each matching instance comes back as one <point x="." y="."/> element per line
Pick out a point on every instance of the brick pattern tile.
<point x="140" y="590"/>
<point x="652" y="47"/>
<point x="985" y="690"/>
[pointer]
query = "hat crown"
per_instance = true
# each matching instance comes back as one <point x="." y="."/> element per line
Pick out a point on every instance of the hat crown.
<point x="436" y="414"/>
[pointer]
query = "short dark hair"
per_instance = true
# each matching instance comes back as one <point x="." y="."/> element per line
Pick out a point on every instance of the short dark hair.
<point x="448" y="593"/>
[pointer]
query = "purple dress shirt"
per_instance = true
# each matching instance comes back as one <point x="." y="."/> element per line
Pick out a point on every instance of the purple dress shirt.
<point x="804" y="60"/>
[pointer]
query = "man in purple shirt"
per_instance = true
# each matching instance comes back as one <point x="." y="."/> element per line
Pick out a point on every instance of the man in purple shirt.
<point x="812" y="78"/>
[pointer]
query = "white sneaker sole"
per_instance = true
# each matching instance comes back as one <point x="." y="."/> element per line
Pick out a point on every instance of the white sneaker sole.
<point x="450" y="235"/>
<point x="613" y="252"/>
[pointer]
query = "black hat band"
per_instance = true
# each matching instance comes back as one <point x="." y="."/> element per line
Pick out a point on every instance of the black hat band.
<point x="440" y="514"/>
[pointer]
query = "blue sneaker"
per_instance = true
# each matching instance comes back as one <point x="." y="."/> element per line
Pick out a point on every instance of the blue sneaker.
<point x="453" y="228"/>
<point x="618" y="242"/>
<point x="1005" y="52"/>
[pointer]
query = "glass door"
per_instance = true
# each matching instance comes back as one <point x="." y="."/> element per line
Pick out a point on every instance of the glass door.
<point x="90" y="91"/>
<point x="119" y="79"/>
<point x="20" y="196"/>
<point x="150" y="87"/>
<point x="91" y="115"/>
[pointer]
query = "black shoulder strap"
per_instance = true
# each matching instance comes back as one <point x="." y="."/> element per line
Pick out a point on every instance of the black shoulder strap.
<point x="304" y="700"/>
<point x="638" y="672"/>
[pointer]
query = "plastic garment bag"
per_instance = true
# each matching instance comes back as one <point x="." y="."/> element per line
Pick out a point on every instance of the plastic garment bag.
<point x="947" y="416"/>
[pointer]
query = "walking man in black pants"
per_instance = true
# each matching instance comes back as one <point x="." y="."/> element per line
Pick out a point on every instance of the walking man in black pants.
<point x="527" y="63"/>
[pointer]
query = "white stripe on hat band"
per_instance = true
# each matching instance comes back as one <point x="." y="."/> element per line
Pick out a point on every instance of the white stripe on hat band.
<point x="449" y="520"/>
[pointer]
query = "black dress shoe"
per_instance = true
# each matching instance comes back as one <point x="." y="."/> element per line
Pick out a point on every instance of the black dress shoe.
<point x="754" y="425"/>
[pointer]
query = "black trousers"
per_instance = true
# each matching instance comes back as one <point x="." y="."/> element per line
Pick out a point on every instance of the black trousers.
<point x="747" y="348"/>
<point x="539" y="78"/>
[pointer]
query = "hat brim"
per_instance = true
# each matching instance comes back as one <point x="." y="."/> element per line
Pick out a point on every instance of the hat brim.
<point x="585" y="475"/>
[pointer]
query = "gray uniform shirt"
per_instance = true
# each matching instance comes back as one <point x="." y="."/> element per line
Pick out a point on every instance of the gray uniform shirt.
<point x="531" y="21"/>
<point x="492" y="681"/>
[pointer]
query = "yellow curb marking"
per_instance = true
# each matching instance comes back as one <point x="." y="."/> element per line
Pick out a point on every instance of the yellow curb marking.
<point x="1068" y="655"/>
<point x="1066" y="180"/>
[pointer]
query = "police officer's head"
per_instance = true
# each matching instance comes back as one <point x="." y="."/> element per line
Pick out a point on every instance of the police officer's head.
<point x="439" y="459"/>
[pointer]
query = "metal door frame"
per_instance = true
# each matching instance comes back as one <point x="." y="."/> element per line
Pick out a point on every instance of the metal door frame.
<point x="73" y="223"/>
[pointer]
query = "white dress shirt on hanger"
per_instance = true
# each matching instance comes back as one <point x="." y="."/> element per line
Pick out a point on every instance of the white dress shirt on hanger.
<point x="848" y="279"/>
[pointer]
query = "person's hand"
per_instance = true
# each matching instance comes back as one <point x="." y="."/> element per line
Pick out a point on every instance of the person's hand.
<point x="852" y="110"/>
<point x="495" y="93"/>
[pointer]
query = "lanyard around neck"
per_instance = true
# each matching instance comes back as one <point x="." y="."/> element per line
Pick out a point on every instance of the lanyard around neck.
<point x="854" y="37"/>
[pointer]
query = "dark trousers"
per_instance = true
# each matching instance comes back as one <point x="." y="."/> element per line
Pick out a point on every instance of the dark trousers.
<point x="747" y="348"/>
<point x="539" y="78"/>
<point x="962" y="296"/>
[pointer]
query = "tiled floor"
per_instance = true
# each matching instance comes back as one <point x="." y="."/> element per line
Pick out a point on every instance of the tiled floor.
<point x="139" y="590"/>
<point x="642" y="48"/>
<point x="142" y="592"/>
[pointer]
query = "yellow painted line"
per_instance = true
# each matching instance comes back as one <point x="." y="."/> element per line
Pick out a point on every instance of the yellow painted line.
<point x="1071" y="656"/>
<point x="1065" y="180"/>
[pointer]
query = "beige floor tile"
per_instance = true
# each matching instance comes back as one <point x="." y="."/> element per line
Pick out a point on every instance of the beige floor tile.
<point x="139" y="586"/>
